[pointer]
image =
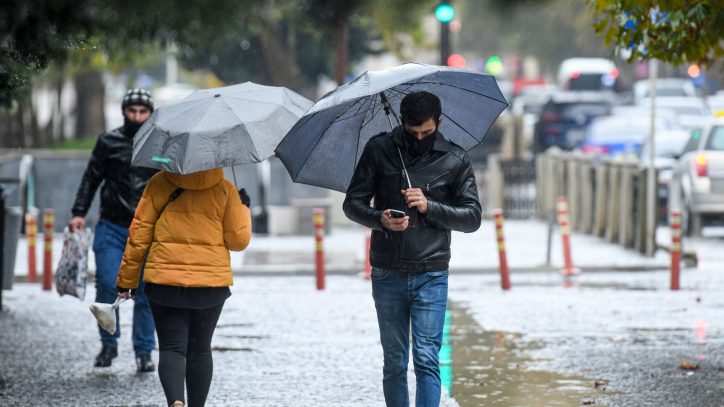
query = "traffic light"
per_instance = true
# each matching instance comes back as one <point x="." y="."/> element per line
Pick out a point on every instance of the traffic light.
<point x="494" y="65"/>
<point x="445" y="13"/>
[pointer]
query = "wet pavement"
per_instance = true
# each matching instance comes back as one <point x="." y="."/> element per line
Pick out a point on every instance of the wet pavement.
<point x="616" y="339"/>
<point x="279" y="342"/>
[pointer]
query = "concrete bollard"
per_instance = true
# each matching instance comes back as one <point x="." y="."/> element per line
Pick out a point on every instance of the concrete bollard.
<point x="565" y="228"/>
<point x="614" y="200"/>
<point x="31" y="234"/>
<point x="626" y="204"/>
<point x="503" y="259"/>
<point x="601" y="192"/>
<point x="48" y="231"/>
<point x="319" y="250"/>
<point x="675" y="248"/>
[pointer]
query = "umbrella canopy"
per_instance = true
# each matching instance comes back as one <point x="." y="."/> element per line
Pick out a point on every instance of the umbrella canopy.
<point x="324" y="146"/>
<point x="218" y="127"/>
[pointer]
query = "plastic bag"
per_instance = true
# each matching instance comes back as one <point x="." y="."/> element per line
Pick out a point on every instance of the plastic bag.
<point x="106" y="314"/>
<point x="72" y="272"/>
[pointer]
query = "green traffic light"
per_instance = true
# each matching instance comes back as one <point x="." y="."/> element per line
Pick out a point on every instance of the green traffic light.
<point x="445" y="13"/>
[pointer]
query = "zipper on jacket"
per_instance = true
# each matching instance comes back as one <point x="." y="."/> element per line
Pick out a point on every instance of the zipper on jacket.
<point x="435" y="179"/>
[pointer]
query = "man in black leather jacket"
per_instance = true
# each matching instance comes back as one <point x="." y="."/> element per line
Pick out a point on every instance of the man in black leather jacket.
<point x="121" y="188"/>
<point x="410" y="254"/>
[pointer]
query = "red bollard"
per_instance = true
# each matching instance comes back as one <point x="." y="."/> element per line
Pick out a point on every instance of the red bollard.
<point x="564" y="224"/>
<point x="504" y="273"/>
<point x="319" y="238"/>
<point x="675" y="248"/>
<point x="31" y="234"/>
<point x="48" y="231"/>
<point x="367" y="272"/>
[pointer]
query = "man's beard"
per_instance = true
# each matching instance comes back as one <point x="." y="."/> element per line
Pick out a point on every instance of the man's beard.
<point x="130" y="128"/>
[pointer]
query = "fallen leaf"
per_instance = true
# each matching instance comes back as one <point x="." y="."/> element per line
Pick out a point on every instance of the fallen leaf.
<point x="687" y="365"/>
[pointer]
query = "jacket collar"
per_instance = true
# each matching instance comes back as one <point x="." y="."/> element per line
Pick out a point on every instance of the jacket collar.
<point x="441" y="144"/>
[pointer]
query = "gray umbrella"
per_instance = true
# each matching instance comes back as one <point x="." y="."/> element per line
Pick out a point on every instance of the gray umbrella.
<point x="324" y="146"/>
<point x="219" y="127"/>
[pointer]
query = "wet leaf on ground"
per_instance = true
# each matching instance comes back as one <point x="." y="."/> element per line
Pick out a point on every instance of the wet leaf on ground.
<point x="687" y="365"/>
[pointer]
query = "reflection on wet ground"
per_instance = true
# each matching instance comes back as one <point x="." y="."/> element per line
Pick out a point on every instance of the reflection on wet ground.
<point x="265" y="258"/>
<point x="481" y="367"/>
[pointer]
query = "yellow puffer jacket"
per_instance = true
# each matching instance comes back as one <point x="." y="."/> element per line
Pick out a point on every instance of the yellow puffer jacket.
<point x="190" y="242"/>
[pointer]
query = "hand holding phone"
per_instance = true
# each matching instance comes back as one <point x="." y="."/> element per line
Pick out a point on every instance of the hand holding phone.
<point x="395" y="220"/>
<point x="397" y="214"/>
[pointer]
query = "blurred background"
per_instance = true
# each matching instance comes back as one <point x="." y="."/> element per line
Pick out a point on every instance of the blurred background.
<point x="576" y="75"/>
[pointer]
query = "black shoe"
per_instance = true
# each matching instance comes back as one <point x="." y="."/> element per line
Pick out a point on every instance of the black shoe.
<point x="106" y="356"/>
<point x="145" y="364"/>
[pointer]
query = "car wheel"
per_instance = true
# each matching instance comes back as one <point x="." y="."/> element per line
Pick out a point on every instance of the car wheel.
<point x="690" y="221"/>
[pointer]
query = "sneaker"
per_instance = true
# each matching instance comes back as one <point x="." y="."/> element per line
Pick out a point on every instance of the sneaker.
<point x="145" y="364"/>
<point x="105" y="358"/>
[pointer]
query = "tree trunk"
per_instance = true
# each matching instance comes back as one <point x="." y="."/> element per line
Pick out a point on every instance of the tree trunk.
<point x="280" y="62"/>
<point x="90" y="93"/>
<point x="341" y="51"/>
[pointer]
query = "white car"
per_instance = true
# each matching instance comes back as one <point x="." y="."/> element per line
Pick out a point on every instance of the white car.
<point x="665" y="87"/>
<point x="691" y="112"/>
<point x="697" y="187"/>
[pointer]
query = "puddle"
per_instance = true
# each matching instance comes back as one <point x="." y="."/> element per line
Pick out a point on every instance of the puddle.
<point x="489" y="368"/>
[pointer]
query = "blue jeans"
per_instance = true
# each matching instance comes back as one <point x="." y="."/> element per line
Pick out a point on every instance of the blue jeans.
<point x="403" y="300"/>
<point x="108" y="245"/>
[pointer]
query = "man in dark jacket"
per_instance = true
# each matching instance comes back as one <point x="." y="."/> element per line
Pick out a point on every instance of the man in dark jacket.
<point x="121" y="190"/>
<point x="415" y="170"/>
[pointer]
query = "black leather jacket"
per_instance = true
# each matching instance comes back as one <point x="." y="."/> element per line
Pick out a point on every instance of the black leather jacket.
<point x="123" y="185"/>
<point x="445" y="175"/>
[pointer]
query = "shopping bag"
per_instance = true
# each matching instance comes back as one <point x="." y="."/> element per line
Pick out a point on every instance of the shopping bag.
<point x="72" y="272"/>
<point x="106" y="314"/>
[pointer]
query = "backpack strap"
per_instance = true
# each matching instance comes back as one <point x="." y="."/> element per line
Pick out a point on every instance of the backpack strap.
<point x="175" y="194"/>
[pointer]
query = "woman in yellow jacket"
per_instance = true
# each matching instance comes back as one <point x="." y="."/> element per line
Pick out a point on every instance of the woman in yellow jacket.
<point x="180" y="238"/>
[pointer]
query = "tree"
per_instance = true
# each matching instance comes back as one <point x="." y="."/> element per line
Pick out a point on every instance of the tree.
<point x="675" y="31"/>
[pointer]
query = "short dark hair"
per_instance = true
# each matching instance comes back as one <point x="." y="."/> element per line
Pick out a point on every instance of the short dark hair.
<point x="417" y="107"/>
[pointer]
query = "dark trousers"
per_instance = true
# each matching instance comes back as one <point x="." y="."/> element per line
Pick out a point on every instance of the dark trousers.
<point x="184" y="338"/>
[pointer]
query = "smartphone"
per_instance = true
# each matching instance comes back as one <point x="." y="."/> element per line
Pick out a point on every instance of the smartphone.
<point x="397" y="214"/>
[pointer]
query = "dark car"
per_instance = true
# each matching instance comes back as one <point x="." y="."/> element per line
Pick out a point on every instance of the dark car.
<point x="565" y="117"/>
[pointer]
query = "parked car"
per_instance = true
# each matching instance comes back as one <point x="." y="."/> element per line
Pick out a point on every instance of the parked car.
<point x="716" y="104"/>
<point x="667" y="115"/>
<point x="587" y="74"/>
<point x="691" y="112"/>
<point x="665" y="87"/>
<point x="669" y="145"/>
<point x="610" y="135"/>
<point x="565" y="117"/>
<point x="697" y="187"/>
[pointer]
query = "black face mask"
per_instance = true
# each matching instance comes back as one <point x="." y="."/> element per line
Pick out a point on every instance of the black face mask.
<point x="130" y="128"/>
<point x="417" y="147"/>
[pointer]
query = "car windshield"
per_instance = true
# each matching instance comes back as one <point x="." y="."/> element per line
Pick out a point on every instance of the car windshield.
<point x="716" y="139"/>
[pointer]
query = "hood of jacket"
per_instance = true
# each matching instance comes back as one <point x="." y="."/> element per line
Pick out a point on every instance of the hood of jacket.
<point x="198" y="180"/>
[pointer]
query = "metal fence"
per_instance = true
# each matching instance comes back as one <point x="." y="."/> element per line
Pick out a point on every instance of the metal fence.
<point x="511" y="185"/>
<point x="606" y="198"/>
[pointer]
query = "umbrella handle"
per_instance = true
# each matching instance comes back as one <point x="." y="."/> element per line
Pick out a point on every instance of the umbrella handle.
<point x="233" y="172"/>
<point x="388" y="109"/>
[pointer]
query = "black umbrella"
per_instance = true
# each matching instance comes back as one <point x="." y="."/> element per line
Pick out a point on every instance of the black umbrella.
<point x="324" y="146"/>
